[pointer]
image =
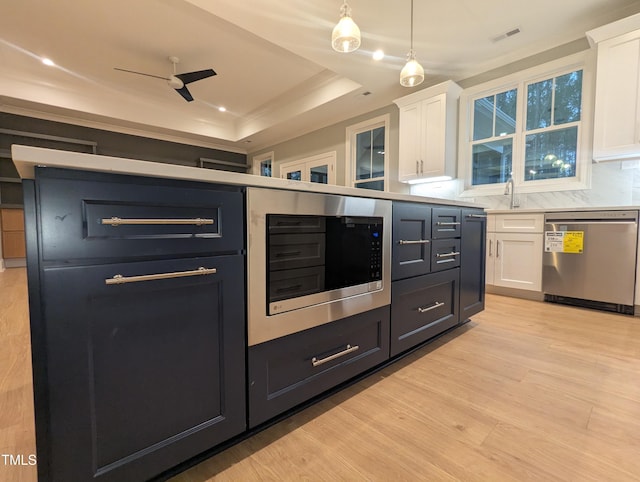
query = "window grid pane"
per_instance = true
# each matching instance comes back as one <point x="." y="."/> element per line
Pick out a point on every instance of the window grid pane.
<point x="370" y="151"/>
<point x="363" y="155"/>
<point x="265" y="168"/>
<point x="568" y="98"/>
<point x="483" y="114"/>
<point x="506" y="103"/>
<point x="551" y="154"/>
<point x="319" y="174"/>
<point x="377" y="154"/>
<point x="539" y="102"/>
<point x="492" y="161"/>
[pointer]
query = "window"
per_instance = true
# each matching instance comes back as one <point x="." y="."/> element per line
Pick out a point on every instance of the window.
<point x="494" y="127"/>
<point x="554" y="109"/>
<point x="262" y="164"/>
<point x="367" y="153"/>
<point x="531" y="127"/>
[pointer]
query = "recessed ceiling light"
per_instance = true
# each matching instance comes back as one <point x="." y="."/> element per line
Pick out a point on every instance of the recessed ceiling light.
<point x="48" y="62"/>
<point x="378" y="55"/>
<point x="222" y="109"/>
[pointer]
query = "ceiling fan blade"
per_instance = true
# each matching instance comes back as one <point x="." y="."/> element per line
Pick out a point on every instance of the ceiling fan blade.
<point x="141" y="73"/>
<point x="189" y="77"/>
<point x="184" y="92"/>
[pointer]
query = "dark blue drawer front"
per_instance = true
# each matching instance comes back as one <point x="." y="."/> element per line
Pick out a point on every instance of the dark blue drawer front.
<point x="445" y="254"/>
<point x="290" y="370"/>
<point x="422" y="308"/>
<point x="446" y="222"/>
<point x="113" y="219"/>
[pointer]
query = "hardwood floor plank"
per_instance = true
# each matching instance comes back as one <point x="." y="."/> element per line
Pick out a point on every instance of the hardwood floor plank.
<point x="558" y="461"/>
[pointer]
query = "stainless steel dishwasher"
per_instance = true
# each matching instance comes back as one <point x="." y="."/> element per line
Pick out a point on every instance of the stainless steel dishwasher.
<point x="590" y="259"/>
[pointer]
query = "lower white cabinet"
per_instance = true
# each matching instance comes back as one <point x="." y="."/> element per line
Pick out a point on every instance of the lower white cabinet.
<point x="514" y="251"/>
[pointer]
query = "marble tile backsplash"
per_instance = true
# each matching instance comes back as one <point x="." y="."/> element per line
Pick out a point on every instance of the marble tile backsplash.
<point x="612" y="184"/>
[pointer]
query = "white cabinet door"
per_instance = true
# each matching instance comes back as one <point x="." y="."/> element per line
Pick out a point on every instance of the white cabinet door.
<point x="616" y="133"/>
<point x="490" y="259"/>
<point x="514" y="250"/>
<point x="410" y="137"/>
<point x="434" y="118"/>
<point x="518" y="261"/>
<point x="427" y="132"/>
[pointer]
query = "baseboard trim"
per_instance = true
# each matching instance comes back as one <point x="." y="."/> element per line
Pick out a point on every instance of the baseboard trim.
<point x="515" y="293"/>
<point x="15" y="263"/>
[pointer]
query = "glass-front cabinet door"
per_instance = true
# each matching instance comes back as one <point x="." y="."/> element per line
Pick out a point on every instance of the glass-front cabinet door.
<point x="294" y="174"/>
<point x="320" y="169"/>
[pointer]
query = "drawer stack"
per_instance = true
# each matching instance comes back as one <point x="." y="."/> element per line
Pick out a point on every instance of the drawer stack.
<point x="425" y="273"/>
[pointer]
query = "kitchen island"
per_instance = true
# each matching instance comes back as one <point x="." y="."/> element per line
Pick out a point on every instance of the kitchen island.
<point x="138" y="276"/>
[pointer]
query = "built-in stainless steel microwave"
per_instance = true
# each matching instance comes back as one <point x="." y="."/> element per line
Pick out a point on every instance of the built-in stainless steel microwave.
<point x="314" y="258"/>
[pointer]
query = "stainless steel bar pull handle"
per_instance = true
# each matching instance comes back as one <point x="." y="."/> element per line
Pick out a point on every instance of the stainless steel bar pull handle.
<point x="321" y="361"/>
<point x="479" y="216"/>
<point x="417" y="241"/>
<point x="490" y="245"/>
<point x="119" y="279"/>
<point x="421" y="167"/>
<point x="446" y="255"/>
<point x="436" y="305"/>
<point x="497" y="248"/>
<point x="417" y="168"/>
<point x="116" y="221"/>
<point x="285" y="254"/>
<point x="443" y="223"/>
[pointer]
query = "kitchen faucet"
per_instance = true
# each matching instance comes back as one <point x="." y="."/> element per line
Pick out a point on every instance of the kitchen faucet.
<point x="514" y="202"/>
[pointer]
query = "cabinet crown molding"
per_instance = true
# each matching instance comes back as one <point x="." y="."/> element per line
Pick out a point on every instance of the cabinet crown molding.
<point x="614" y="29"/>
<point x="448" y="87"/>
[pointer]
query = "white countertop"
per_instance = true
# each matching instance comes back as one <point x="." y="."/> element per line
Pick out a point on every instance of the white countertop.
<point x="26" y="158"/>
<point x="559" y="210"/>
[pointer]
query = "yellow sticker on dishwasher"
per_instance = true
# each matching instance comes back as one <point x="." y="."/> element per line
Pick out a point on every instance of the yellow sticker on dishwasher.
<point x="573" y="242"/>
<point x="564" y="241"/>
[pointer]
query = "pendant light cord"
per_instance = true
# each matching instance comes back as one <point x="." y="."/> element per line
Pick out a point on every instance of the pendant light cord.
<point x="411" y="24"/>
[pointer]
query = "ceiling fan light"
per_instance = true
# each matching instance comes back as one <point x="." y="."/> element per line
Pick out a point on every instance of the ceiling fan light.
<point x="412" y="73"/>
<point x="346" y="34"/>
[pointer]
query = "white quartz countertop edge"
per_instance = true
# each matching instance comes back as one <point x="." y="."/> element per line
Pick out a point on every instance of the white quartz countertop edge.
<point x="517" y="211"/>
<point x="26" y="158"/>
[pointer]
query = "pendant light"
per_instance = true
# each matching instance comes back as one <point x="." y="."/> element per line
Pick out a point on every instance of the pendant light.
<point x="346" y="34"/>
<point x="412" y="73"/>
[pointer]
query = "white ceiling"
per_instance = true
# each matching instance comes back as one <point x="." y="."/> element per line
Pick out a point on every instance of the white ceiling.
<point x="277" y="74"/>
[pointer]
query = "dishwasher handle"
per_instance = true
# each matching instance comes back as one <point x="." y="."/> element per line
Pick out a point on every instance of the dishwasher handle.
<point x="591" y="222"/>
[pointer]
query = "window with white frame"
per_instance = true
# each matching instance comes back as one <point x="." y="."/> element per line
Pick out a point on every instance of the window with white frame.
<point x="366" y="154"/>
<point x="263" y="164"/>
<point x="530" y="126"/>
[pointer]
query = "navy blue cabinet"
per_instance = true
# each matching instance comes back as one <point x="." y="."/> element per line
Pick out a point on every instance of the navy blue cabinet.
<point x="428" y="248"/>
<point x="138" y="326"/>
<point x="472" y="263"/>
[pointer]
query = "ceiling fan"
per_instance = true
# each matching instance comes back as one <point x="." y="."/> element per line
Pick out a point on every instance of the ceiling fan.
<point x="178" y="81"/>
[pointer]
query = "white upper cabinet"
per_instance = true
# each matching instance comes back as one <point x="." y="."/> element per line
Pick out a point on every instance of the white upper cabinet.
<point x="616" y="129"/>
<point x="428" y="123"/>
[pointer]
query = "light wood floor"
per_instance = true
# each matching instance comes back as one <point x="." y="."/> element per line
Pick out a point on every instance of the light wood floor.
<point x="526" y="391"/>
